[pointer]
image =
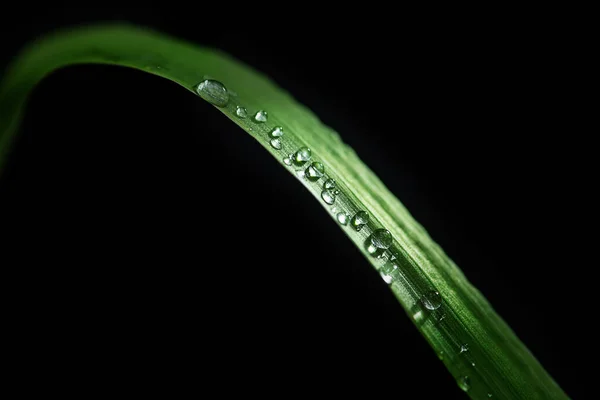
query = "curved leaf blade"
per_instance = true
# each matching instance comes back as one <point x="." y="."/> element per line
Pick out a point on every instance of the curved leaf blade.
<point x="475" y="344"/>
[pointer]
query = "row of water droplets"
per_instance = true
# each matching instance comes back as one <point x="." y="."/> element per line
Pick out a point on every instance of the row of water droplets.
<point x="428" y="311"/>
<point x="377" y="244"/>
<point x="217" y="94"/>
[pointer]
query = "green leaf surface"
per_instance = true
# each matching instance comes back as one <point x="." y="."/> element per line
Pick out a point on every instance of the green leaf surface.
<point x="474" y="343"/>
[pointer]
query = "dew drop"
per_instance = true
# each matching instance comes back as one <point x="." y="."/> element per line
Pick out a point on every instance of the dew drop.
<point x="390" y="272"/>
<point x="328" y="196"/>
<point x="490" y="395"/>
<point x="315" y="171"/>
<point x="359" y="220"/>
<point x="431" y="300"/>
<point x="378" y="242"/>
<point x="342" y="218"/>
<point x="276" y="132"/>
<point x="381" y="238"/>
<point x="302" y="156"/>
<point x="418" y="316"/>
<point x="214" y="92"/>
<point x="464" y="383"/>
<point x="276" y="143"/>
<point x="329" y="184"/>
<point x="241" y="112"/>
<point x="287" y="160"/>
<point x="464" y="348"/>
<point x="261" y="116"/>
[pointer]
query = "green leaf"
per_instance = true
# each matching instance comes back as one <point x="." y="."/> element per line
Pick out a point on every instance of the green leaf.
<point x="474" y="343"/>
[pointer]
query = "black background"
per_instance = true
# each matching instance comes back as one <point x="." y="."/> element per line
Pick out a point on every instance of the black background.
<point x="148" y="232"/>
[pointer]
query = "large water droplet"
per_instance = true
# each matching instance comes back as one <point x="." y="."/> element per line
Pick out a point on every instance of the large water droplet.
<point x="329" y="184"/>
<point x="328" y="196"/>
<point x="302" y="156"/>
<point x="315" y="171"/>
<point x="381" y="238"/>
<point x="276" y="132"/>
<point x="431" y="300"/>
<point x="464" y="382"/>
<point x="241" y="112"/>
<point x="276" y="143"/>
<point x="342" y="218"/>
<point x="378" y="242"/>
<point x="214" y="92"/>
<point x="359" y="220"/>
<point x="261" y="116"/>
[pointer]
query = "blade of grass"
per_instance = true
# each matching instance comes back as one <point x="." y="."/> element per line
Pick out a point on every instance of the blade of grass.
<point x="475" y="344"/>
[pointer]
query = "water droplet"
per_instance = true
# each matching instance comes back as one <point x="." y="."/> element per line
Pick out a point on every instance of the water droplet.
<point x="287" y="160"/>
<point x="473" y="364"/>
<point x="390" y="272"/>
<point x="261" y="116"/>
<point x="342" y="218"/>
<point x="441" y="318"/>
<point x="241" y="112"/>
<point x="359" y="220"/>
<point x="464" y="383"/>
<point x="328" y="196"/>
<point x="214" y="92"/>
<point x="432" y="300"/>
<point x="276" y="143"/>
<point x="302" y="156"/>
<point x="329" y="184"/>
<point x="441" y="355"/>
<point x="464" y="348"/>
<point x="381" y="238"/>
<point x="490" y="395"/>
<point x="315" y="171"/>
<point x="276" y="132"/>
<point x="418" y="316"/>
<point x="378" y="242"/>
